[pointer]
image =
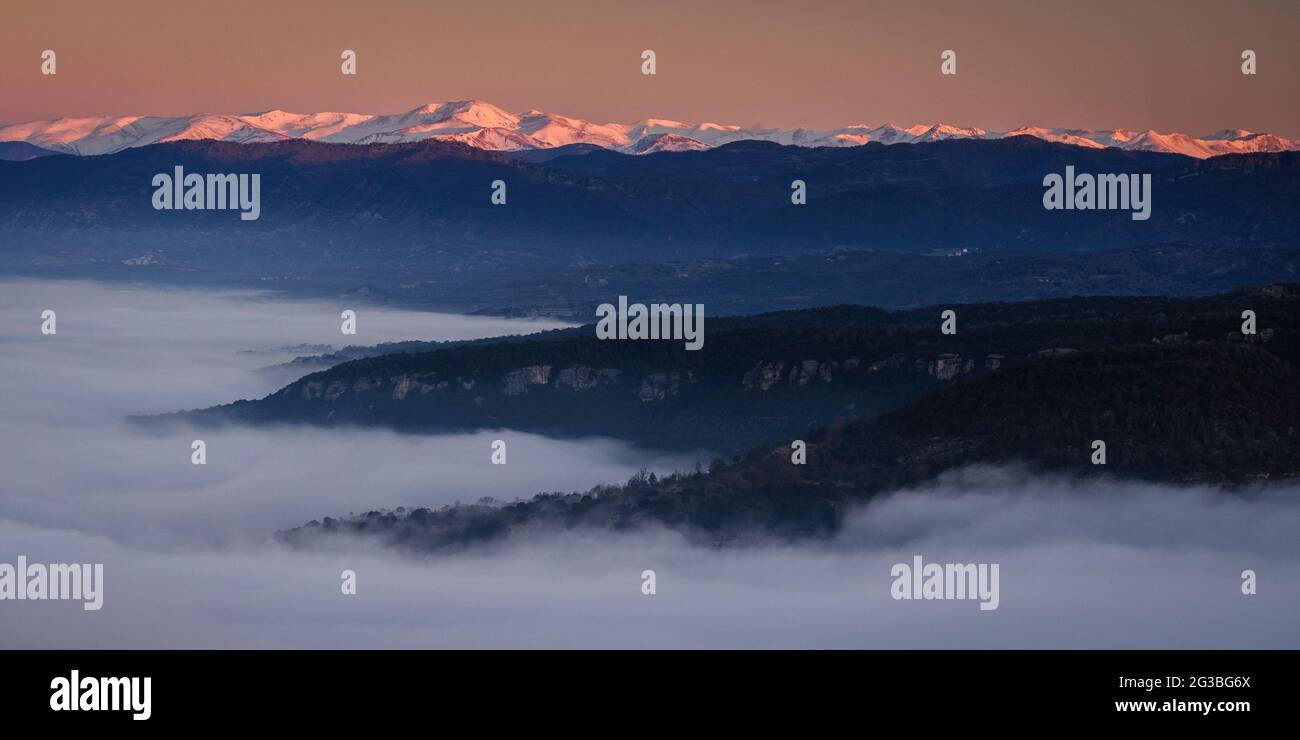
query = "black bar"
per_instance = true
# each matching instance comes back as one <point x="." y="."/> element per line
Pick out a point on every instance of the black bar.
<point x="921" y="689"/>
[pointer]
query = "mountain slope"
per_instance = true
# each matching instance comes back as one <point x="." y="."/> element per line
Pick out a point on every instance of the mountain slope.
<point x="19" y="151"/>
<point x="398" y="214"/>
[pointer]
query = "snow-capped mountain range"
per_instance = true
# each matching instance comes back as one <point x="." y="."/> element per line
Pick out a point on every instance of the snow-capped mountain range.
<point x="486" y="126"/>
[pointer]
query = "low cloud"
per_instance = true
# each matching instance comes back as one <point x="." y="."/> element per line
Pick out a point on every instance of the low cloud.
<point x="1066" y="581"/>
<point x="72" y="461"/>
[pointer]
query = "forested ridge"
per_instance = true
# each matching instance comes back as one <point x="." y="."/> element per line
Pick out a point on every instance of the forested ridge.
<point x="1173" y="388"/>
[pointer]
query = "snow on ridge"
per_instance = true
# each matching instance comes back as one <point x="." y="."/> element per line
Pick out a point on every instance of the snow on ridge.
<point x="486" y="126"/>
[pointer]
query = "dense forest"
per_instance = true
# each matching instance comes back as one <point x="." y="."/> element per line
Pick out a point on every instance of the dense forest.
<point x="757" y="379"/>
<point x="1173" y="388"/>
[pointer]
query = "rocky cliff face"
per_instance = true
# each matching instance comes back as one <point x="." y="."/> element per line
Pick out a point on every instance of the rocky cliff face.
<point x="515" y="382"/>
<point x="765" y="376"/>
<point x="649" y="387"/>
<point x="581" y="378"/>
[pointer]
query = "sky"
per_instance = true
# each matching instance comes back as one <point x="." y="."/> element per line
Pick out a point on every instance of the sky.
<point x="1155" y="64"/>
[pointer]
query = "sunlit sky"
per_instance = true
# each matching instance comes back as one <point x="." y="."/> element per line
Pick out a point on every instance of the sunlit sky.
<point x="1171" y="66"/>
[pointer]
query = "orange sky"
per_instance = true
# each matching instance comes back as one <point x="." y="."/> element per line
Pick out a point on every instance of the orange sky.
<point x="1136" y="64"/>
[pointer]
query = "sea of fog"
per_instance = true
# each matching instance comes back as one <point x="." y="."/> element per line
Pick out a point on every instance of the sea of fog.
<point x="187" y="561"/>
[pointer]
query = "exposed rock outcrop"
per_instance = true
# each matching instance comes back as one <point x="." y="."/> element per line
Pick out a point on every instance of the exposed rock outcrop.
<point x="516" y="382"/>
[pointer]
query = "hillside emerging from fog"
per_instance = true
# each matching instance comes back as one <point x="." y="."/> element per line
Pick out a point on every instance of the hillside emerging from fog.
<point x="1172" y="386"/>
<point x="756" y="379"/>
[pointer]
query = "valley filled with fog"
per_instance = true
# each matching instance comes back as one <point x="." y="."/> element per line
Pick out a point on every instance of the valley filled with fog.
<point x="189" y="561"/>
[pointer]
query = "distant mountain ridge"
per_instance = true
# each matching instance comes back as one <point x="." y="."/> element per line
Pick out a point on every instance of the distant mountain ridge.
<point x="392" y="215"/>
<point x="21" y="151"/>
<point x="485" y="126"/>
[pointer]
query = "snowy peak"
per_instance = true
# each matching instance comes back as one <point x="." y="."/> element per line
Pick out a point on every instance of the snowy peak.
<point x="551" y="131"/>
<point x="473" y="113"/>
<point x="481" y="124"/>
<point x="667" y="143"/>
<point x="942" y="131"/>
<point x="1229" y="134"/>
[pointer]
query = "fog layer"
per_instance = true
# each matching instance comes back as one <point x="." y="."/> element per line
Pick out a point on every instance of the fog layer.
<point x="188" y="564"/>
